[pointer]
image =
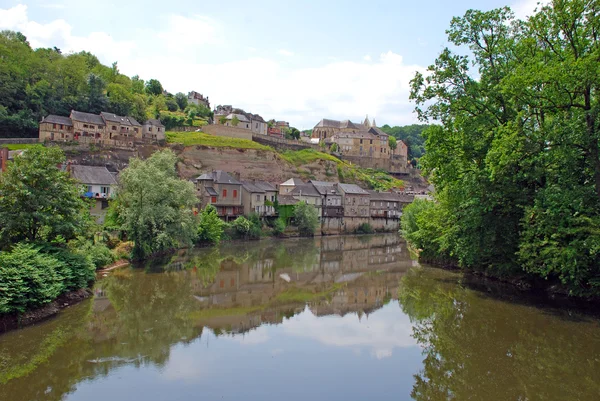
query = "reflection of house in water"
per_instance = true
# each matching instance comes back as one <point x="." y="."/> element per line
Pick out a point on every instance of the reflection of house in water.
<point x="250" y="293"/>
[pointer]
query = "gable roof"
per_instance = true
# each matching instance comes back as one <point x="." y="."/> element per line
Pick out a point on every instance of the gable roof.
<point x="133" y="121"/>
<point x="266" y="186"/>
<point x="86" y="117"/>
<point x="352" y="189"/>
<point x="51" y="118"/>
<point x="153" y="122"/>
<point x="222" y="177"/>
<point x="211" y="191"/>
<point x="305" y="190"/>
<point x="327" y="190"/>
<point x="377" y="131"/>
<point x="93" y="175"/>
<point x="252" y="188"/>
<point x="385" y="196"/>
<point x="240" y="117"/>
<point x="322" y="183"/>
<point x="293" y="181"/>
<point x="286" y="200"/>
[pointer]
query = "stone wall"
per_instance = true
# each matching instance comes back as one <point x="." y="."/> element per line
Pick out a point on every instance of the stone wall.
<point x="5" y="141"/>
<point x="282" y="144"/>
<point x="232" y="132"/>
<point x="349" y="225"/>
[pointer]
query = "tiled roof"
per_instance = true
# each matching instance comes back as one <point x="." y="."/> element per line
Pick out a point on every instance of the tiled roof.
<point x="57" y="120"/>
<point x="377" y="131"/>
<point x="93" y="175"/>
<point x="252" y="188"/>
<point x="240" y="117"/>
<point x="86" y="117"/>
<point x="211" y="191"/>
<point x="322" y="183"/>
<point x="133" y="122"/>
<point x="206" y="176"/>
<point x="305" y="190"/>
<point x="153" y="122"/>
<point x="222" y="177"/>
<point x="267" y="186"/>
<point x="286" y="200"/>
<point x="326" y="190"/>
<point x="352" y="189"/>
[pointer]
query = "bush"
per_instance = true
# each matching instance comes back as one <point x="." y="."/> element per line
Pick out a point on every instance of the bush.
<point x="306" y="218"/>
<point x="278" y="227"/>
<point x="77" y="270"/>
<point x="99" y="254"/>
<point x="210" y="228"/>
<point x="243" y="228"/>
<point x="123" y="250"/>
<point x="365" y="228"/>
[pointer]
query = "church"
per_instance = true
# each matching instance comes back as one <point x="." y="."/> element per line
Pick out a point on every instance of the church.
<point x="327" y="128"/>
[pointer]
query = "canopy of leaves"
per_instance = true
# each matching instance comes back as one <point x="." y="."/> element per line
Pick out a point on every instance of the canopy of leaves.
<point x="411" y="135"/>
<point x="306" y="218"/>
<point x="210" y="228"/>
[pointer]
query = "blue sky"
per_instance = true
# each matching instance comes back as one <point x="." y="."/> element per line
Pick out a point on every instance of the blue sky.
<point x="298" y="61"/>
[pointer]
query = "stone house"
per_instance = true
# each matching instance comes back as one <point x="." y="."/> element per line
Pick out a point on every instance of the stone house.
<point x="198" y="99"/>
<point x="243" y="121"/>
<point x="154" y="130"/>
<point x="355" y="199"/>
<point x="56" y="128"/>
<point x="385" y="205"/>
<point x="253" y="198"/>
<point x="288" y="186"/>
<point x="308" y="193"/>
<point x="326" y="128"/>
<point x="121" y="128"/>
<point x="87" y="125"/>
<point x="331" y="198"/>
<point x="221" y="190"/>
<point x="401" y="152"/>
<point x="257" y="124"/>
<point x="270" y="196"/>
<point x="363" y="144"/>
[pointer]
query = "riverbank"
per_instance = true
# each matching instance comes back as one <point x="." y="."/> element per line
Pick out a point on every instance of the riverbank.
<point x="15" y="321"/>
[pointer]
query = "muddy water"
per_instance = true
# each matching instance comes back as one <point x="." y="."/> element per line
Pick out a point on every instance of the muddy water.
<point x="338" y="318"/>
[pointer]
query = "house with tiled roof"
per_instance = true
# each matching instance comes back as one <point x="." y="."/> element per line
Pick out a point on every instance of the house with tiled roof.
<point x="153" y="130"/>
<point x="288" y="186"/>
<point x="54" y="128"/>
<point x="355" y="199"/>
<point x="221" y="190"/>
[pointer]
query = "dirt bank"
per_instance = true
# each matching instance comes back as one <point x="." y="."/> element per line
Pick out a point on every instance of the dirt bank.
<point x="14" y="321"/>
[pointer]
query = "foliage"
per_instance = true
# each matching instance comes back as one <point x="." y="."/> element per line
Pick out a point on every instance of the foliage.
<point x="334" y="147"/>
<point x="250" y="228"/>
<point x="181" y="100"/>
<point x="124" y="250"/>
<point x="392" y="142"/>
<point x="516" y="160"/>
<point x="38" y="201"/>
<point x="155" y="205"/>
<point x="31" y="278"/>
<point x="307" y="156"/>
<point x="200" y="138"/>
<point x="411" y="135"/>
<point x="235" y="121"/>
<point x="154" y="87"/>
<point x="99" y="254"/>
<point x="306" y="218"/>
<point x="222" y="120"/>
<point x="291" y="133"/>
<point x="279" y="226"/>
<point x="210" y="228"/>
<point x="365" y="228"/>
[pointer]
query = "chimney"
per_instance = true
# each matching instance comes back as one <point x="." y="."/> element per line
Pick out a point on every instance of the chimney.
<point x="4" y="157"/>
<point x="236" y="175"/>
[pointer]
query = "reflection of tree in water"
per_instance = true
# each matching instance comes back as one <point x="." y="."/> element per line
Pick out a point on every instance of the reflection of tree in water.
<point x="479" y="348"/>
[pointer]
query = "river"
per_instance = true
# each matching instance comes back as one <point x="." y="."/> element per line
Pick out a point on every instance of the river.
<point x="333" y="318"/>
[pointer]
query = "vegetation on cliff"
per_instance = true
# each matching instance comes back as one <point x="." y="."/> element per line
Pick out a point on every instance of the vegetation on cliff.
<point x="516" y="161"/>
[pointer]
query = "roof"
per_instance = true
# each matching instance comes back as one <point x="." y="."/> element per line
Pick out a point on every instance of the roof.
<point x="340" y="124"/>
<point x="377" y="131"/>
<point x="384" y="196"/>
<point x="119" y="119"/>
<point x="360" y="134"/>
<point x="322" y="183"/>
<point x="305" y="190"/>
<point x="286" y="200"/>
<point x="293" y="181"/>
<point x="133" y="121"/>
<point x="266" y="186"/>
<point x="93" y="175"/>
<point x="222" y="177"/>
<point x="327" y="190"/>
<point x="352" y="189"/>
<point x="51" y="118"/>
<point x="251" y="187"/>
<point x="240" y="117"/>
<point x="86" y="117"/>
<point x="206" y="176"/>
<point x="153" y="122"/>
<point x="211" y="191"/>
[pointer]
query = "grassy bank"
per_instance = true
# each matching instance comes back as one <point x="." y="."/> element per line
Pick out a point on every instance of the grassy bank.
<point x="200" y="138"/>
<point x="20" y="146"/>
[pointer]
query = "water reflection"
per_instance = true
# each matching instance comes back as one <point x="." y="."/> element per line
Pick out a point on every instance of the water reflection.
<point x="335" y="317"/>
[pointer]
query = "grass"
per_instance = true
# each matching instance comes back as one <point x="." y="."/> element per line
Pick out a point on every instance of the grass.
<point x="200" y="138"/>
<point x="307" y="156"/>
<point x="20" y="146"/>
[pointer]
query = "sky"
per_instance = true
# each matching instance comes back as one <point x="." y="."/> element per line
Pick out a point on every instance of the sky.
<point x="298" y="61"/>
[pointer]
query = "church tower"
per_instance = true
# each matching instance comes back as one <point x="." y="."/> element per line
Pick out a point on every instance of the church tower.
<point x="367" y="123"/>
<point x="374" y="125"/>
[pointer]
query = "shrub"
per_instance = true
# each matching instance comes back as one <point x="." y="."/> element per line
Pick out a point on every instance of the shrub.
<point x="241" y="226"/>
<point x="210" y="228"/>
<point x="28" y="278"/>
<point x="123" y="250"/>
<point x="99" y="254"/>
<point x="365" y="228"/>
<point x="77" y="270"/>
<point x="306" y="218"/>
<point x="278" y="227"/>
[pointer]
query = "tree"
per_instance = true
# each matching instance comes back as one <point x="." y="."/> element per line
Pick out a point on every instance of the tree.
<point x="181" y="100"/>
<point x="120" y="100"/>
<point x="235" y="121"/>
<point x="210" y="228"/>
<point x="516" y="160"/>
<point x="171" y="104"/>
<point x="306" y="218"/>
<point x="155" y="205"/>
<point x="334" y="147"/>
<point x="392" y="142"/>
<point x="222" y="120"/>
<point x="154" y="87"/>
<point x="38" y="201"/>
<point x="96" y="98"/>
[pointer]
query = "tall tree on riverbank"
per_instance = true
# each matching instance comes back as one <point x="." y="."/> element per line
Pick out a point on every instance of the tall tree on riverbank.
<point x="39" y="201"/>
<point x="155" y="205"/>
<point x="516" y="162"/>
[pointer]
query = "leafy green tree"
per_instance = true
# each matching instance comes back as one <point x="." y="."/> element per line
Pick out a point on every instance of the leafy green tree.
<point x="235" y="121"/>
<point x="154" y="87"/>
<point x="392" y="143"/>
<point x="222" y="120"/>
<point x="156" y="206"/>
<point x="171" y="104"/>
<point x="39" y="201"/>
<point x="334" y="147"/>
<point x="306" y="218"/>
<point x="96" y="100"/>
<point x="120" y="100"/>
<point x="137" y="85"/>
<point x="181" y="100"/>
<point x="210" y="228"/>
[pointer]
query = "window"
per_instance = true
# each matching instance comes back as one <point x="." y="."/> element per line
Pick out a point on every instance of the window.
<point x="89" y="188"/>
<point x="361" y="141"/>
<point x="235" y="193"/>
<point x="256" y="126"/>
<point x="53" y="126"/>
<point x="114" y="127"/>
<point x="149" y="129"/>
<point x="85" y="125"/>
<point x="135" y="130"/>
<point x="371" y="142"/>
<point x="158" y="129"/>
<point x="105" y="190"/>
<point x="61" y="126"/>
<point x="224" y="193"/>
<point x="91" y="126"/>
<point x="272" y="198"/>
<point x="257" y="198"/>
<point x="247" y="126"/>
<point x="213" y="199"/>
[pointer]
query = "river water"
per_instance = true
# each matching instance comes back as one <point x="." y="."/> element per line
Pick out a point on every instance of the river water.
<point x="335" y="318"/>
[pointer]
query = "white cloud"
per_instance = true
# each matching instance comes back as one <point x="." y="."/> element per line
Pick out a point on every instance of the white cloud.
<point x="253" y="337"/>
<point x="57" y="6"/>
<point x="526" y="8"/>
<point x="275" y="89"/>
<point x="367" y="57"/>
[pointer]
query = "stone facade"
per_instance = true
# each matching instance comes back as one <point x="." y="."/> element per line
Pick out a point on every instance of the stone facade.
<point x="154" y="130"/>
<point x="198" y="99"/>
<point x="221" y="190"/>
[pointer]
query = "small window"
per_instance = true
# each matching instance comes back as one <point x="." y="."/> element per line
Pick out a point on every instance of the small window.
<point x="105" y="190"/>
<point x="53" y="126"/>
<point x="213" y="199"/>
<point x="371" y="142"/>
<point x="85" y="125"/>
<point x="224" y="193"/>
<point x="114" y="127"/>
<point x="235" y="193"/>
<point x="257" y="198"/>
<point x="247" y="126"/>
<point x="361" y="141"/>
<point x="149" y="129"/>
<point x="61" y="126"/>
